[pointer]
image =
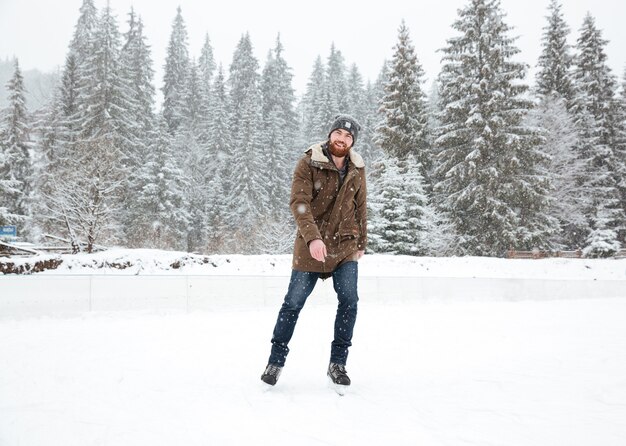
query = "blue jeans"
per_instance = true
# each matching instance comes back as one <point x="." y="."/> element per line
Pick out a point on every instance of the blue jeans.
<point x="300" y="287"/>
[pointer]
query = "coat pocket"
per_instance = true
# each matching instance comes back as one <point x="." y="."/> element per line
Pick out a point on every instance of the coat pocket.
<point x="348" y="233"/>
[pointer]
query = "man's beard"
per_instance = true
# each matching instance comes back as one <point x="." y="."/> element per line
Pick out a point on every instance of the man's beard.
<point x="338" y="149"/>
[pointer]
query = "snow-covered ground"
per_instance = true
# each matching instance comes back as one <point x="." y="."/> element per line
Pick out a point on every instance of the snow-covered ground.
<point x="435" y="372"/>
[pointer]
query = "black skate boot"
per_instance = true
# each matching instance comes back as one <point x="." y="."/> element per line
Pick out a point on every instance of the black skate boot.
<point x="338" y="375"/>
<point x="271" y="374"/>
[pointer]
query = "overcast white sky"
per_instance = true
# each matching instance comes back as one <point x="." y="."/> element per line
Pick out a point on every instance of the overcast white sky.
<point x="38" y="31"/>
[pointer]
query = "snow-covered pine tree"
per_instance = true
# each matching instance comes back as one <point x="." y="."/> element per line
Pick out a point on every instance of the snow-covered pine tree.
<point x="137" y="71"/>
<point x="247" y="168"/>
<point x="193" y="99"/>
<point x="71" y="104"/>
<point x="433" y="110"/>
<point x="216" y="229"/>
<point x="82" y="47"/>
<point x="489" y="172"/>
<point x="206" y="64"/>
<point x="568" y="196"/>
<point x="374" y="95"/>
<point x="68" y="106"/>
<point x="379" y="87"/>
<point x="61" y="129"/>
<point x="443" y="239"/>
<point x="359" y="97"/>
<point x="83" y="31"/>
<point x="381" y="193"/>
<point x="161" y="219"/>
<point x="190" y="157"/>
<point x="555" y="90"/>
<point x="87" y="194"/>
<point x="108" y="97"/>
<point x="366" y="145"/>
<point x="176" y="74"/>
<point x="218" y="152"/>
<point x="49" y="130"/>
<point x="138" y="74"/>
<point x="415" y="204"/>
<point x="404" y="127"/>
<point x="46" y="128"/>
<point x="315" y="113"/>
<point x="436" y="236"/>
<point x="596" y="110"/>
<point x="439" y="239"/>
<point x="402" y="207"/>
<point x="219" y="149"/>
<point x="554" y="66"/>
<point x="280" y="130"/>
<point x="107" y="123"/>
<point x="337" y="99"/>
<point x="357" y="103"/>
<point x="16" y="172"/>
<point x="206" y="70"/>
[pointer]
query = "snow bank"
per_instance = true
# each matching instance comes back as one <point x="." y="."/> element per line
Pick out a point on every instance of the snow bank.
<point x="156" y="262"/>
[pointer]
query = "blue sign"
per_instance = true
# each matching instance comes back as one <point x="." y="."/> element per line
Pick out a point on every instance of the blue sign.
<point x="8" y="231"/>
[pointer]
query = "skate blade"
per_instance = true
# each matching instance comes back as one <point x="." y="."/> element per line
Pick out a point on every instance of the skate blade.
<point x="341" y="390"/>
<point x="265" y="387"/>
<point x="338" y="388"/>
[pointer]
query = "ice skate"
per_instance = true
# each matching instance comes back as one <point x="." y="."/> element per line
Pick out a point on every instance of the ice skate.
<point x="271" y="374"/>
<point x="339" y="378"/>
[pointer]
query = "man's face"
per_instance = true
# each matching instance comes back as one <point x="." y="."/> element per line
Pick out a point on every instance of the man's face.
<point x="340" y="142"/>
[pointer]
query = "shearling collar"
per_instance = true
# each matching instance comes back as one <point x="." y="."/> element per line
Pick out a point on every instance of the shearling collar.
<point x="317" y="155"/>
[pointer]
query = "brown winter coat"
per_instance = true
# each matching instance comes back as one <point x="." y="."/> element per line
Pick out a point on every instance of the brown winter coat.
<point x="324" y="211"/>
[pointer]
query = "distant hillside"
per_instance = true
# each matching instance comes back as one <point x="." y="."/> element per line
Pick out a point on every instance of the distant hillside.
<point x="39" y="86"/>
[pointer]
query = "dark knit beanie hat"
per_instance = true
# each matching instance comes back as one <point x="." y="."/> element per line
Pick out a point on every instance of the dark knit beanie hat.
<point x="347" y="123"/>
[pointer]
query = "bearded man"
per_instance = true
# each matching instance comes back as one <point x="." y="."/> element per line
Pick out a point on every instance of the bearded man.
<point x="328" y="202"/>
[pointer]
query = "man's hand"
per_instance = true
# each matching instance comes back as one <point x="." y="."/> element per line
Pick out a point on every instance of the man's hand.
<point x="317" y="248"/>
<point x="359" y="254"/>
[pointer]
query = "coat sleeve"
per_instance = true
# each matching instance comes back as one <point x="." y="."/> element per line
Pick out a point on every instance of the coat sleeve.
<point x="361" y="213"/>
<point x="300" y="203"/>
